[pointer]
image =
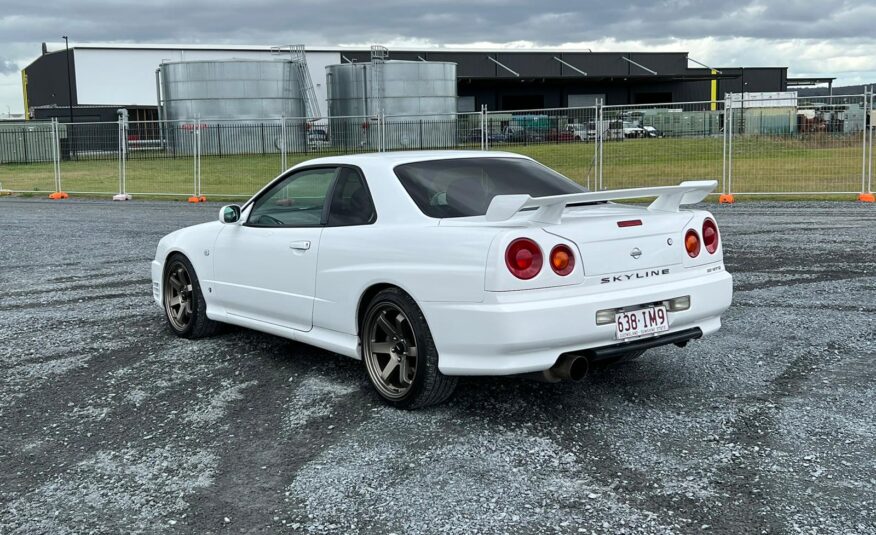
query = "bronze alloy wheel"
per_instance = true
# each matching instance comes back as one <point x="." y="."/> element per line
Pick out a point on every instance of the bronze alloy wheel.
<point x="178" y="295"/>
<point x="390" y="349"/>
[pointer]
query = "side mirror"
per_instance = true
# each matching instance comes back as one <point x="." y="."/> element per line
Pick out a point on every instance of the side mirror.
<point x="229" y="214"/>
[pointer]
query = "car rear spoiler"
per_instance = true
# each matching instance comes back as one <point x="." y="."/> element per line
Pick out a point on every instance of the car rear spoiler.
<point x="550" y="209"/>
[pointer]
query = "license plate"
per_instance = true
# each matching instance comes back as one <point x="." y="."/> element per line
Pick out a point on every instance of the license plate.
<point x="641" y="322"/>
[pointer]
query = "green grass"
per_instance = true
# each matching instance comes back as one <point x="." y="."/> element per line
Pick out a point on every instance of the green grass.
<point x="761" y="165"/>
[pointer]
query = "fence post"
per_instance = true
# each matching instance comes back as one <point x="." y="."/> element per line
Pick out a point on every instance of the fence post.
<point x="726" y="196"/>
<point x="864" y="141"/>
<point x="196" y="164"/>
<point x="867" y="193"/>
<point x="724" y="148"/>
<point x="283" y="143"/>
<point x="483" y="128"/>
<point x="870" y="130"/>
<point x="586" y="135"/>
<point x="199" y="129"/>
<point x="600" y="142"/>
<point x="56" y="160"/>
<point x="383" y="129"/>
<point x="122" y="154"/>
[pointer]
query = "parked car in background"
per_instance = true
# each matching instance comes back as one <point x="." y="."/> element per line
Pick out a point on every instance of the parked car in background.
<point x="582" y="132"/>
<point x="428" y="266"/>
<point x="520" y="134"/>
<point x="632" y="130"/>
<point x="560" y="136"/>
<point x="474" y="136"/>
<point x="651" y="131"/>
<point x="612" y="130"/>
<point x="317" y="138"/>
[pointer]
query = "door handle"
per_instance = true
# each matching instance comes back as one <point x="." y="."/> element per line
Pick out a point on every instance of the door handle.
<point x="302" y="245"/>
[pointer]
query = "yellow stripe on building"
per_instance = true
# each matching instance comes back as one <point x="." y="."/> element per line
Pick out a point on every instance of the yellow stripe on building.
<point x="24" y="94"/>
<point x="714" y="105"/>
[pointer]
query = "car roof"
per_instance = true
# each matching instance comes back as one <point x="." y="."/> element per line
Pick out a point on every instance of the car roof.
<point x="392" y="159"/>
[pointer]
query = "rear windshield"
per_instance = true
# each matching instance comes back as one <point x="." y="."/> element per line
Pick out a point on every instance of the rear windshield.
<point x="465" y="186"/>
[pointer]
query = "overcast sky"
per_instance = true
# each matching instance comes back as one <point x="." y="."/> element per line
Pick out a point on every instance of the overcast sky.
<point x="813" y="38"/>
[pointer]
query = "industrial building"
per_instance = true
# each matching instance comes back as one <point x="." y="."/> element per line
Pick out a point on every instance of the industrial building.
<point x="104" y="78"/>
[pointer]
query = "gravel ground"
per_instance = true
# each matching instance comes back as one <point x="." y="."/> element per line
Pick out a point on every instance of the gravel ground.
<point x="109" y="424"/>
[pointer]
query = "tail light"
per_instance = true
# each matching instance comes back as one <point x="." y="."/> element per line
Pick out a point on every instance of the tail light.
<point x="692" y="243"/>
<point x="562" y="260"/>
<point x="523" y="258"/>
<point x="710" y="235"/>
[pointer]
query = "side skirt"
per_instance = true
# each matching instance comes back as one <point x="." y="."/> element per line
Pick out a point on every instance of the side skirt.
<point x="342" y="343"/>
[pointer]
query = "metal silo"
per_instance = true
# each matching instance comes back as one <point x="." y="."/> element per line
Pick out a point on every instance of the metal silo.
<point x="418" y="99"/>
<point x="238" y="105"/>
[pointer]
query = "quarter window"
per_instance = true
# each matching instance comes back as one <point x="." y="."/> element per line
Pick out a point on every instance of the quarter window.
<point x="351" y="202"/>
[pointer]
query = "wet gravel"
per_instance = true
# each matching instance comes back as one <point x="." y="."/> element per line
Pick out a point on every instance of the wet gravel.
<point x="109" y="424"/>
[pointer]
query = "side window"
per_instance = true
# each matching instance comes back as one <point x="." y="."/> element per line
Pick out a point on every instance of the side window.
<point x="296" y="201"/>
<point x="351" y="203"/>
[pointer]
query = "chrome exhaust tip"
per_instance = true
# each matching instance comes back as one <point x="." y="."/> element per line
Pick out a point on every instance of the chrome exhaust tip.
<point x="569" y="367"/>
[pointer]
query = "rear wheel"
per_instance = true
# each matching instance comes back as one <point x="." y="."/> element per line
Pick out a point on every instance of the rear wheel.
<point x="399" y="353"/>
<point x="184" y="305"/>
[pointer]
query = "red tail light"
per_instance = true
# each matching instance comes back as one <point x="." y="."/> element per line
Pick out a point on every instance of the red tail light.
<point x="630" y="223"/>
<point x="523" y="258"/>
<point x="692" y="243"/>
<point x="710" y="235"/>
<point x="562" y="260"/>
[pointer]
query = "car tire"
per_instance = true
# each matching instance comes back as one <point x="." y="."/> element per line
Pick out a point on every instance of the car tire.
<point x="184" y="307"/>
<point x="399" y="353"/>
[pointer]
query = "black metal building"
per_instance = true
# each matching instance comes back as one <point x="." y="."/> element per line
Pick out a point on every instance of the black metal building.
<point x="527" y="80"/>
<point x="499" y="79"/>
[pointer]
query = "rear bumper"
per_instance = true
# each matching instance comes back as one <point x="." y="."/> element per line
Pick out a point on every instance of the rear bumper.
<point x="526" y="331"/>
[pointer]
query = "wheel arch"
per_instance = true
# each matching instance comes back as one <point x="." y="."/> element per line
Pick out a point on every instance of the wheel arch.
<point x="168" y="256"/>
<point x="368" y="295"/>
<point x="174" y="252"/>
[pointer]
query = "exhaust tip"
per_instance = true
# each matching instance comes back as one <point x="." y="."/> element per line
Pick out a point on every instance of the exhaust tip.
<point x="570" y="366"/>
<point x="578" y="368"/>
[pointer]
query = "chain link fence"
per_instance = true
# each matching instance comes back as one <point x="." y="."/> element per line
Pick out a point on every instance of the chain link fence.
<point x="563" y="138"/>
<point x="799" y="145"/>
<point x="661" y="145"/>
<point x="28" y="156"/>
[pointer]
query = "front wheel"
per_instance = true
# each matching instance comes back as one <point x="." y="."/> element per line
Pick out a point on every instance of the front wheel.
<point x="399" y="353"/>
<point x="184" y="305"/>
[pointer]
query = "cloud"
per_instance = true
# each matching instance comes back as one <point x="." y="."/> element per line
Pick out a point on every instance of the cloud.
<point x="823" y="37"/>
<point x="546" y="22"/>
<point x="8" y="66"/>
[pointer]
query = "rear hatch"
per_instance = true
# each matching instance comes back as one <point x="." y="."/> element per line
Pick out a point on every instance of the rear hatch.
<point x="614" y="238"/>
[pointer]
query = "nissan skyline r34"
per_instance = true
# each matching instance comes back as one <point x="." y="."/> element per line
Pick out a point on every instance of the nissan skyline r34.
<point x="433" y="265"/>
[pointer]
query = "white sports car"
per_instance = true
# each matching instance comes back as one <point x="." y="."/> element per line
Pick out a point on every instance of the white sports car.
<point x="433" y="265"/>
